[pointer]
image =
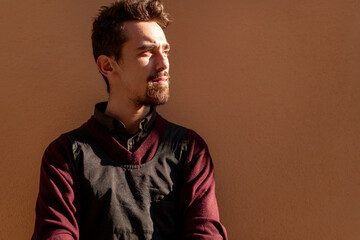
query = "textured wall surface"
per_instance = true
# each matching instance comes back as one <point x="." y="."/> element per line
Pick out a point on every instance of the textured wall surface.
<point x="272" y="86"/>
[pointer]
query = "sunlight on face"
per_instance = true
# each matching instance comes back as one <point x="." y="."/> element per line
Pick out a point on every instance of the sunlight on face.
<point x="144" y="65"/>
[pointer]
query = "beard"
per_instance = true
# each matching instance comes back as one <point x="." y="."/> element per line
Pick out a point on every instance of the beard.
<point x="156" y="94"/>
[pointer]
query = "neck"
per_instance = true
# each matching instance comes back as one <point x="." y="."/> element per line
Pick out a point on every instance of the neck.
<point x="127" y="112"/>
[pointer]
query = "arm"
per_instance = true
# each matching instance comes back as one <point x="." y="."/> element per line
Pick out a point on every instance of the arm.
<point x="198" y="201"/>
<point x="57" y="206"/>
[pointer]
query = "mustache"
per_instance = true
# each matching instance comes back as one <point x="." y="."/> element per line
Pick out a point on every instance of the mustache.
<point x="158" y="75"/>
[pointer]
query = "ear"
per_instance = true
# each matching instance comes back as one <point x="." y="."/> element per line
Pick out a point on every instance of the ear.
<point x="105" y="65"/>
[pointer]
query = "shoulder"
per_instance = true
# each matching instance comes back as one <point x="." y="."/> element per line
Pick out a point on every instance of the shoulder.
<point x="198" y="159"/>
<point x="59" y="146"/>
<point x="60" y="150"/>
<point x="194" y="141"/>
<point x="57" y="160"/>
<point x="172" y="128"/>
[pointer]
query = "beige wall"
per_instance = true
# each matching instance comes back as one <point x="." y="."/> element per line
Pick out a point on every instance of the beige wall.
<point x="273" y="87"/>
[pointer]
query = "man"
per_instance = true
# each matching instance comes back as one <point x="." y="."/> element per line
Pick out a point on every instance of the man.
<point x="127" y="173"/>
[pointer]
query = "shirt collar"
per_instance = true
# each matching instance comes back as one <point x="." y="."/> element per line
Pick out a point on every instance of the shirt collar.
<point x="114" y="125"/>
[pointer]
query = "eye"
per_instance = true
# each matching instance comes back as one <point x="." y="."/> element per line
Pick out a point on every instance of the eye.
<point x="146" y="52"/>
<point x="166" y="52"/>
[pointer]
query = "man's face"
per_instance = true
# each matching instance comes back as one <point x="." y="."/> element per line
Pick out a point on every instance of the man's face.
<point x="143" y="69"/>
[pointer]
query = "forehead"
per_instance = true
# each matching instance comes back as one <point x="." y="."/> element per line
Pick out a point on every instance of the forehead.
<point x="138" y="32"/>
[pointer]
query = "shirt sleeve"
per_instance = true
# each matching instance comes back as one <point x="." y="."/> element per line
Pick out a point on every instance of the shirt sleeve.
<point x="56" y="206"/>
<point x="198" y="200"/>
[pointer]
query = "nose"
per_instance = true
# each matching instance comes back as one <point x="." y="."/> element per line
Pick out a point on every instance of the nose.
<point x="162" y="62"/>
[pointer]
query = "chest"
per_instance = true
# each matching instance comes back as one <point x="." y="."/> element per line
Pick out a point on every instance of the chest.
<point x="126" y="201"/>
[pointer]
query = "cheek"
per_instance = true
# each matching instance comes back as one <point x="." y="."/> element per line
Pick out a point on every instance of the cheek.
<point x="142" y="61"/>
<point x="143" y="65"/>
<point x="138" y="69"/>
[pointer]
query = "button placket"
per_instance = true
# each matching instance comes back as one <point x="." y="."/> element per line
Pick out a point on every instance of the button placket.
<point x="130" y="144"/>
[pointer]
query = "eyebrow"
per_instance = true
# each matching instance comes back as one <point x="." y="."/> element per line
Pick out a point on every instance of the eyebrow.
<point x="150" y="46"/>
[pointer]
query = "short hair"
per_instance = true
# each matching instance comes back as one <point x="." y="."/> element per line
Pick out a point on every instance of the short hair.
<point x="108" y="34"/>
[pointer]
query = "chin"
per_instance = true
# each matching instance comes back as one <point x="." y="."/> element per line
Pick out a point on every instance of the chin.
<point x="158" y="102"/>
<point x="154" y="98"/>
<point x="157" y="95"/>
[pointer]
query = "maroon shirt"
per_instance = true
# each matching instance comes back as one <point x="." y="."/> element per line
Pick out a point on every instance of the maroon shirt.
<point x="57" y="207"/>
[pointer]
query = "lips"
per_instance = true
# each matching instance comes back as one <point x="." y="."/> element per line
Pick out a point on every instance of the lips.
<point x="159" y="77"/>
<point x="159" y="80"/>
